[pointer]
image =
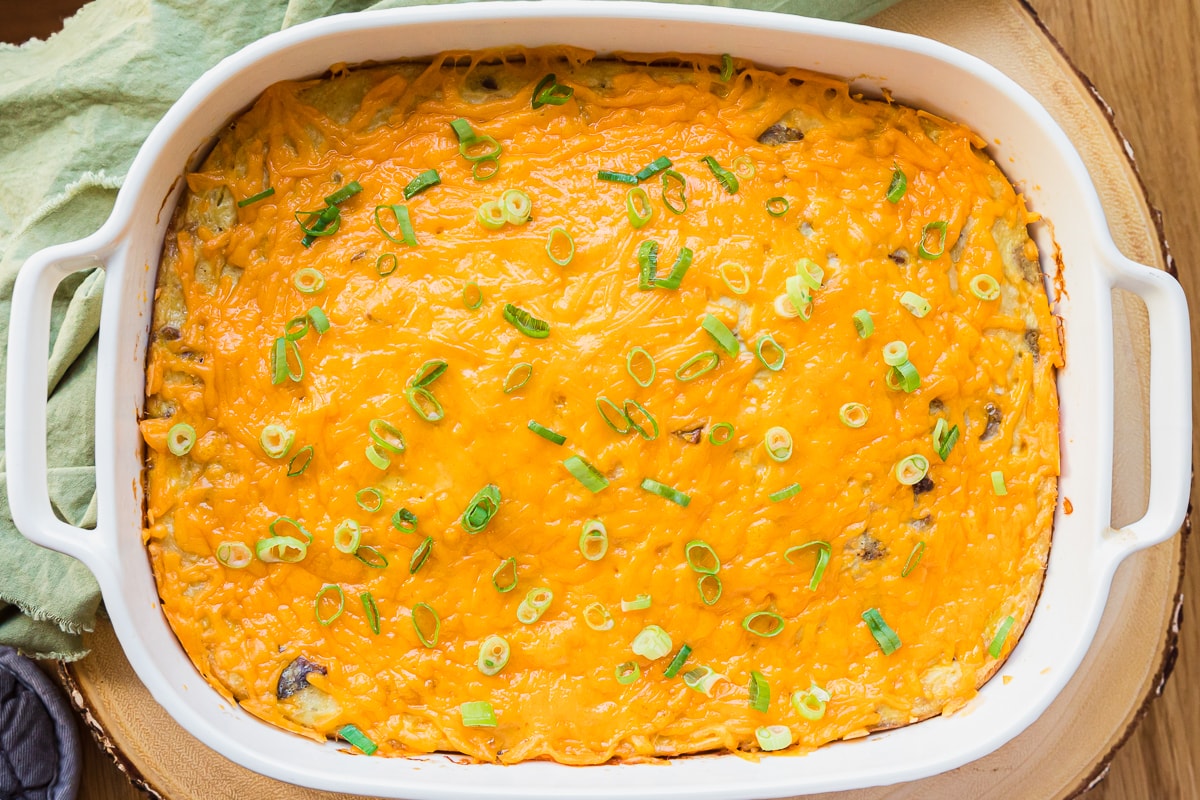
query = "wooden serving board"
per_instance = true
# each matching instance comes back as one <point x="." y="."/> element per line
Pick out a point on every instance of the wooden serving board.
<point x="1069" y="748"/>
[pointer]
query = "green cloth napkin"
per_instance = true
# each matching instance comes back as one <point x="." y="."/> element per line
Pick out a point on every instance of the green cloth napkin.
<point x="74" y="110"/>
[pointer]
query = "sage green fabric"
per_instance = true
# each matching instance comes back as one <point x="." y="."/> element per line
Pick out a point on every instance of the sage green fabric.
<point x="73" y="111"/>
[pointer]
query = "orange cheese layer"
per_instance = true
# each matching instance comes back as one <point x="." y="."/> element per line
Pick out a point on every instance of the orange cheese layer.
<point x="558" y="698"/>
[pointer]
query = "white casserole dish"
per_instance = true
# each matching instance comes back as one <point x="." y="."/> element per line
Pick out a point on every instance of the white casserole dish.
<point x="1031" y="148"/>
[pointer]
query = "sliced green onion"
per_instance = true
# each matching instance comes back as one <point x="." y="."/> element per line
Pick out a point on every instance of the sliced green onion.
<point x="918" y="306"/>
<point x="386" y="264"/>
<point x="799" y="297"/>
<point x="914" y="558"/>
<point x="726" y="178"/>
<point x="425" y="404"/>
<point x="371" y="609"/>
<point x="472" y="295"/>
<point x="627" y="672"/>
<point x="404" y="521"/>
<point x="426" y="623"/>
<point x="326" y="591"/>
<point x="946" y="444"/>
<point x="491" y="215"/>
<point x="702" y="679"/>
<point x="285" y="351"/>
<point x="700" y="364"/>
<point x="854" y="415"/>
<point x="485" y="169"/>
<point x="534" y="605"/>
<point x="998" y="486"/>
<point x="678" y="661"/>
<point x="593" y="541"/>
<point x="912" y="469"/>
<point x="726" y="67"/>
<point x="767" y="624"/>
<point x="904" y="377"/>
<point x="652" y="643"/>
<point x="477" y="714"/>
<point x="682" y="263"/>
<point x="632" y="409"/>
<point x="720" y="334"/>
<point x="517" y="206"/>
<point x="888" y="641"/>
<point x="709" y="588"/>
<point x="863" y="324"/>
<point x="895" y="353"/>
<point x="653" y="168"/>
<point x="639" y="603"/>
<point x="378" y="458"/>
<point x="617" y="177"/>
<point x="358" y="739"/>
<point x="786" y="493"/>
<point x="308" y="280"/>
<point x="299" y="462"/>
<point x="720" y="434"/>
<point x="369" y="499"/>
<point x="744" y="167"/>
<point x="504" y="577"/>
<point x="280" y="549"/>
<point x="481" y="509"/>
<point x="610" y="410"/>
<point x="938" y="227"/>
<point x="404" y="229"/>
<point x="518" y="376"/>
<point x="428" y="372"/>
<point x="546" y="433"/>
<point x="562" y="235"/>
<point x="343" y="194"/>
<point x="985" y="287"/>
<point x="371" y="557"/>
<point x="997" y="645"/>
<point x="347" y="536"/>
<point x="296" y="526"/>
<point x="701" y="557"/>
<point x="420" y="555"/>
<point x="635" y="352"/>
<point x="549" y="92"/>
<point x="674" y="192"/>
<point x="254" y="198"/>
<point x="778" y="442"/>
<point x="743" y="284"/>
<point x="525" y="322"/>
<point x="494" y="652"/>
<point x="810" y="272"/>
<point x="810" y="704"/>
<point x="823" y="551"/>
<point x="181" y="438"/>
<point x="666" y="492"/>
<point x="427" y="179"/>
<point x="462" y="130"/>
<point x="469" y="150"/>
<point x="767" y="341"/>
<point x="296" y="328"/>
<point x="234" y="555"/>
<point x="325" y="222"/>
<point x="637" y="206"/>
<point x="647" y="264"/>
<point x="898" y="186"/>
<point x="777" y="206"/>
<point x="320" y="322"/>
<point x="596" y="617"/>
<point x="773" y="737"/>
<point x="386" y="435"/>
<point x="585" y="473"/>
<point x="760" y="692"/>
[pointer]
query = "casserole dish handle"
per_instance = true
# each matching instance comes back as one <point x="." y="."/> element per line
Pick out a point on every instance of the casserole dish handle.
<point x="26" y="397"/>
<point x="1170" y="403"/>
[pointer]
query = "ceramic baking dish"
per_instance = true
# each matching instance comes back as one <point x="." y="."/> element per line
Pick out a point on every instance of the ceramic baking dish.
<point x="1026" y="142"/>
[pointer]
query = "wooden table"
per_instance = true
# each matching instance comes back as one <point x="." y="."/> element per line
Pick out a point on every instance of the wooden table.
<point x="1139" y="55"/>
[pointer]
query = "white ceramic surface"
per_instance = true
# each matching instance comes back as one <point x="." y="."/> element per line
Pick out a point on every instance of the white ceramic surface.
<point x="1031" y="148"/>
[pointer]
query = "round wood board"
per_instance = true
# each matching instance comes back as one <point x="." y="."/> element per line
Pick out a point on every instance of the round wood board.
<point x="1068" y="749"/>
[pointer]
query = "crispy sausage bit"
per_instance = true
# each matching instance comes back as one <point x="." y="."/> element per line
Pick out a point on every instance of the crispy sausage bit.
<point x="867" y="547"/>
<point x="690" y="435"/>
<point x="922" y="486"/>
<point x="1032" y="342"/>
<point x="993" y="422"/>
<point x="168" y="333"/>
<point x="294" y="677"/>
<point x="780" y="134"/>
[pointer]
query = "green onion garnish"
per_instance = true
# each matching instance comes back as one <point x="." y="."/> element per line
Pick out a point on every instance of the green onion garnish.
<point x="472" y="295"/>
<point x="726" y="178"/>
<point x="546" y="433"/>
<point x="760" y="692"/>
<point x="593" y="541"/>
<point x="299" y="462"/>
<point x="296" y="527"/>
<point x="596" y="616"/>
<point x="652" y="643"/>
<point x="491" y="215"/>
<point x="320" y="322"/>
<point x="404" y="521"/>
<point x="777" y="353"/>
<point x="347" y="536"/>
<point x="678" y="661"/>
<point x="702" y="679"/>
<point x="811" y="704"/>
<point x="371" y="610"/>
<point x="773" y="737"/>
<point x="504" y="577"/>
<point x="325" y="222"/>
<point x="767" y="624"/>
<point x="386" y="264"/>
<point x="296" y="328"/>
<point x="998" y="486"/>
<point x="534" y="605"/>
<point x="938" y="227"/>
<point x="639" y="603"/>
<point x="888" y="641"/>
<point x="679" y="269"/>
<point x="234" y="555"/>
<point x="481" y="509"/>
<point x="308" y="280"/>
<point x="786" y="493"/>
<point x="585" y="473"/>
<point x="863" y="324"/>
<point x="549" y="92"/>
<point x="280" y="549"/>
<point x="997" y="644"/>
<point x="700" y="364"/>
<point x="985" y="287"/>
<point x="369" y="499"/>
<point x="637" y="206"/>
<point x="494" y="652"/>
<point x="181" y="438"/>
<point x="744" y="167"/>
<point x="404" y="229"/>
<point x="721" y="433"/>
<point x="945" y="443"/>
<point x="666" y="492"/>
<point x="799" y="297"/>
<point x="726" y="67"/>
<point x="284" y="352"/>
<point x="720" y="334"/>
<point x="903" y="377"/>
<point x="327" y="590"/>
<point x="525" y="322"/>
<point x="371" y="557"/>
<point x="918" y="306"/>
<point x="914" y="558"/>
<point x="358" y="739"/>
<point x="710" y="588"/>
<point x="854" y="415"/>
<point x="898" y="186"/>
<point x="778" y="443"/>
<point x="653" y="168"/>
<point x="254" y="198"/>
<point x="517" y="206"/>
<point x="647" y="264"/>
<point x="425" y="180"/>
<point x="912" y="469"/>
<point x="777" y="206"/>
<point x="823" y="551"/>
<point x="743" y="284"/>
<point x="462" y="130"/>
<point x="485" y="168"/>
<point x="617" y="177"/>
<point x="810" y="272"/>
<point x="610" y="411"/>
<point x="551" y="245"/>
<point x="648" y="359"/>
<point x="517" y="377"/>
<point x="420" y="555"/>
<point x="428" y="372"/>
<point x="426" y="623"/>
<point x="701" y="557"/>
<point x="627" y="672"/>
<point x="343" y="194"/>
<point x="639" y="417"/>
<point x="425" y="404"/>
<point x="471" y="152"/>
<point x="386" y="435"/>
<point x="895" y="353"/>
<point x="478" y="714"/>
<point x="674" y="192"/>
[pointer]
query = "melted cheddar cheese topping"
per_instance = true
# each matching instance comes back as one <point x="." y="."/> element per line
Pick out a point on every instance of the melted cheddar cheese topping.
<point x="226" y="293"/>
